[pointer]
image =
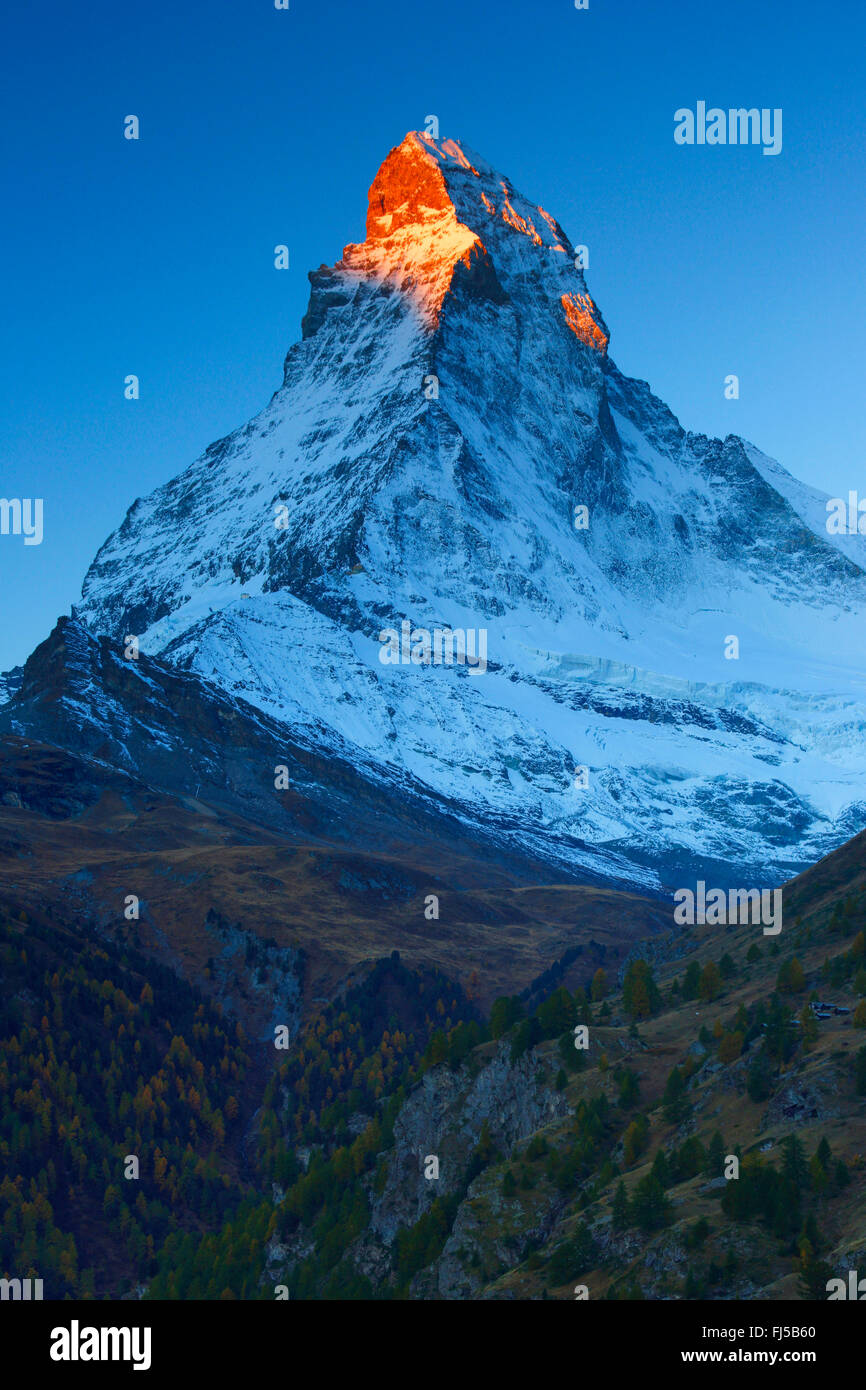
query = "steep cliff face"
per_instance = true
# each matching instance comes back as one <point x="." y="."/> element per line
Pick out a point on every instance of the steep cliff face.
<point x="414" y="238"/>
<point x="453" y="447"/>
<point x="445" y="1117"/>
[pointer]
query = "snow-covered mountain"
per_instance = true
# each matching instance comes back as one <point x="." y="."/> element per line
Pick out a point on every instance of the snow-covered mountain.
<point x="451" y="407"/>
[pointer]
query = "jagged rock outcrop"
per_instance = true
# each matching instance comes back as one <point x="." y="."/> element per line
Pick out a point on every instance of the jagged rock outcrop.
<point x="444" y="1116"/>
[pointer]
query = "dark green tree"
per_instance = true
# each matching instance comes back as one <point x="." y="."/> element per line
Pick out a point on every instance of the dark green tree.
<point x="691" y="980"/>
<point x="619" y="1214"/>
<point x="716" y="1156"/>
<point x="794" y="1165"/>
<point x="506" y="1011"/>
<point x="675" y="1101"/>
<point x="650" y="1206"/>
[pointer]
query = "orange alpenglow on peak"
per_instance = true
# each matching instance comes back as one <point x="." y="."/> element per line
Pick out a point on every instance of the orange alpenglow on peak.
<point x="579" y="310"/>
<point x="414" y="236"/>
<point x="417" y="234"/>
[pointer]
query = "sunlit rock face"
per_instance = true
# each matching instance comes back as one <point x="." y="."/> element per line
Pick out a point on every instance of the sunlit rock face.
<point x="431" y="210"/>
<point x="580" y="316"/>
<point x="449" y="414"/>
<point x="414" y="238"/>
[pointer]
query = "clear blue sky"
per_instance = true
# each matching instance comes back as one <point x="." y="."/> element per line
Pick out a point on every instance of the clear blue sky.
<point x="260" y="126"/>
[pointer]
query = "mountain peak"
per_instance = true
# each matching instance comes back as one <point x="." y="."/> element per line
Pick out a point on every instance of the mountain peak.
<point x="414" y="236"/>
<point x="433" y="209"/>
<point x="452" y="450"/>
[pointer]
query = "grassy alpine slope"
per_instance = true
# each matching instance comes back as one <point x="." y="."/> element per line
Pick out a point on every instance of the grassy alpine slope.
<point x="306" y="1171"/>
